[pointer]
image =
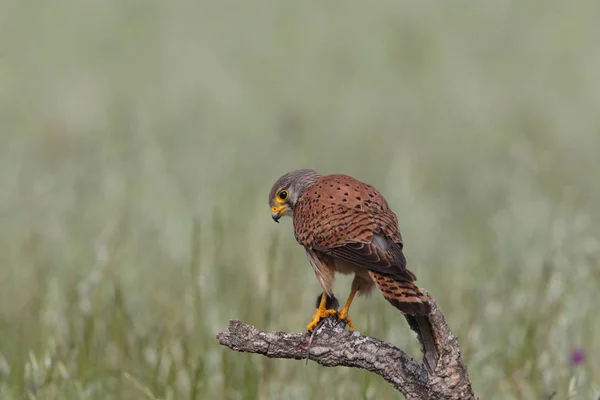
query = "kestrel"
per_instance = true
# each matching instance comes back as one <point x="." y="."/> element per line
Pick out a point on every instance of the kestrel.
<point x="346" y="226"/>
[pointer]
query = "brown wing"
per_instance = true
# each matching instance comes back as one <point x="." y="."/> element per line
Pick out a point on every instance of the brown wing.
<point x="350" y="220"/>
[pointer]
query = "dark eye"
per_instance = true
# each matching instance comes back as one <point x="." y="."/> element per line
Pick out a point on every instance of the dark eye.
<point x="283" y="195"/>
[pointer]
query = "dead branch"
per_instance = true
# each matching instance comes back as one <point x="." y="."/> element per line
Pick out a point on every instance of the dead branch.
<point x="333" y="346"/>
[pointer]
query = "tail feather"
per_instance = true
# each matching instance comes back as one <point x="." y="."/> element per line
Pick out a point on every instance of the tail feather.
<point x="403" y="294"/>
<point x="422" y="325"/>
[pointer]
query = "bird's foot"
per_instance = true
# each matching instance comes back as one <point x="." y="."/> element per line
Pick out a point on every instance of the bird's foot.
<point x="343" y="316"/>
<point x="319" y="315"/>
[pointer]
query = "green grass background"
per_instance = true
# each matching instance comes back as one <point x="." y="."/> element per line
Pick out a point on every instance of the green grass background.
<point x="139" y="141"/>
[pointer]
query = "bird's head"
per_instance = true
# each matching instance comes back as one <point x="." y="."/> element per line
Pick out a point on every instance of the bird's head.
<point x="287" y="190"/>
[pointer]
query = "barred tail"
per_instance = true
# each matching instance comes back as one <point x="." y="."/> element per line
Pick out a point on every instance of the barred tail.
<point x="403" y="294"/>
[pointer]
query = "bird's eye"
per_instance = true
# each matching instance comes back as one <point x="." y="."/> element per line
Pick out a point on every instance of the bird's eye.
<point x="282" y="195"/>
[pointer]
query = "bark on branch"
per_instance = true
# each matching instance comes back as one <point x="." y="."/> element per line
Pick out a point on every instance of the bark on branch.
<point x="333" y="346"/>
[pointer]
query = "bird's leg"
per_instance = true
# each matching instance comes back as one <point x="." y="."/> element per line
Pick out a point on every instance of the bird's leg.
<point x="343" y="314"/>
<point x="321" y="312"/>
<point x="332" y="302"/>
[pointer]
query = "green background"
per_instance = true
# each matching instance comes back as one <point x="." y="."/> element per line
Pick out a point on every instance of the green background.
<point x="139" y="141"/>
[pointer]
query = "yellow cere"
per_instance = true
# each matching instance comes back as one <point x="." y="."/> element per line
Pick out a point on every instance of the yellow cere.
<point x="278" y="209"/>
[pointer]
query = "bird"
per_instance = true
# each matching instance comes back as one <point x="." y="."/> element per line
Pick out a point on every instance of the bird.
<point x="346" y="226"/>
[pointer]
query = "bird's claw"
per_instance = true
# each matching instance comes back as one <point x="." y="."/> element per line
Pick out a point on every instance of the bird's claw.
<point x="319" y="315"/>
<point x="343" y="316"/>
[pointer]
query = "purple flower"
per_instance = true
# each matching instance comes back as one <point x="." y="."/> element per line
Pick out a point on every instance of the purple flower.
<point x="577" y="356"/>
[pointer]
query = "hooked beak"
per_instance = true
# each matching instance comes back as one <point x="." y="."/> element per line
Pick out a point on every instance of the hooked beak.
<point x="278" y="212"/>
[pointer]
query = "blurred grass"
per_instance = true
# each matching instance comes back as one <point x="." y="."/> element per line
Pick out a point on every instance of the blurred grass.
<point x="139" y="141"/>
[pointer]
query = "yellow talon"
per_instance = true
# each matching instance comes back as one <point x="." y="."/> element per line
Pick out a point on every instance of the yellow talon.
<point x="319" y="315"/>
<point x="343" y="316"/>
<point x="321" y="312"/>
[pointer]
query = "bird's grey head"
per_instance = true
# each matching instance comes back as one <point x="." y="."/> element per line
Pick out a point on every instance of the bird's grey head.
<point x="287" y="190"/>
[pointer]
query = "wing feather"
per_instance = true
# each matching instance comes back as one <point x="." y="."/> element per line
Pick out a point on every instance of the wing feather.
<point x="350" y="220"/>
<point x="368" y="255"/>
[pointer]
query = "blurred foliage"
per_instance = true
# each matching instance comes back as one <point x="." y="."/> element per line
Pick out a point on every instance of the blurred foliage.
<point x="139" y="140"/>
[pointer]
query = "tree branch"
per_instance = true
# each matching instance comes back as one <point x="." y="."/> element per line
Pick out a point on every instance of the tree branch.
<point x="443" y="376"/>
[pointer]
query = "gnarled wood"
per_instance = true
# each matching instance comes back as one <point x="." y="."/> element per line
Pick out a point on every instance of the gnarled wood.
<point x="333" y="346"/>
